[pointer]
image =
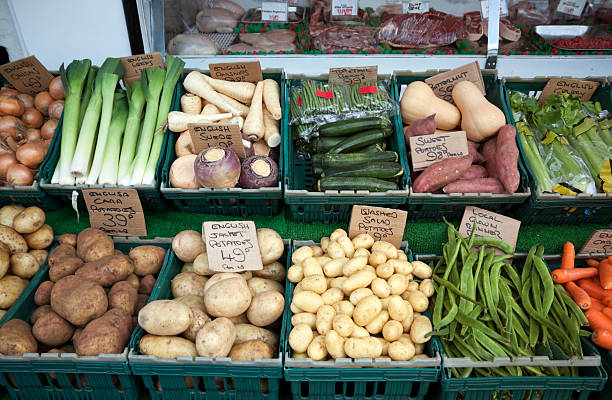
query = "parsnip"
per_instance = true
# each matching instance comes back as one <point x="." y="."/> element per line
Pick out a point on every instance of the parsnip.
<point x="272" y="129"/>
<point x="210" y="109"/>
<point x="191" y="103"/>
<point x="271" y="98"/>
<point x="241" y="91"/>
<point x="195" y="82"/>
<point x="243" y="110"/>
<point x="179" y="121"/>
<point x="254" y="127"/>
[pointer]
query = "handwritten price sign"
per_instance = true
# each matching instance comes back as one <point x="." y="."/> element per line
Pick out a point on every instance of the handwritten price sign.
<point x="571" y="7"/>
<point x="117" y="212"/>
<point x="343" y="8"/>
<point x="232" y="246"/>
<point x="273" y="11"/>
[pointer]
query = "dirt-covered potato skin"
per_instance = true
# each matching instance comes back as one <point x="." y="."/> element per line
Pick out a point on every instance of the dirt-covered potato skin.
<point x="108" y="334"/>
<point x="93" y="244"/>
<point x="78" y="300"/>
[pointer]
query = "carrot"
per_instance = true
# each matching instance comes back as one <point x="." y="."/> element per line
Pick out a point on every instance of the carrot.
<point x="593" y="289"/>
<point x="596" y="305"/>
<point x="253" y="127"/>
<point x="569" y="255"/>
<point x="602" y="338"/>
<point x="567" y="275"/>
<point x="598" y="320"/>
<point x="605" y="274"/>
<point x="610" y="259"/>
<point x="241" y="91"/>
<point x="606" y="300"/>
<point x="591" y="262"/>
<point x="607" y="312"/>
<point x="579" y="295"/>
<point x="271" y="98"/>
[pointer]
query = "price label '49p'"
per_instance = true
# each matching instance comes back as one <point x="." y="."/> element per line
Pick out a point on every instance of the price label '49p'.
<point x="571" y="7"/>
<point x="344" y="7"/>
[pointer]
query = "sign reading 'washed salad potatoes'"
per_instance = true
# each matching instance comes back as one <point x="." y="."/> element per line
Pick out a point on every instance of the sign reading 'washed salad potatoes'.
<point x="381" y="223"/>
<point x="118" y="212"/>
<point x="232" y="246"/>
<point x="490" y="224"/>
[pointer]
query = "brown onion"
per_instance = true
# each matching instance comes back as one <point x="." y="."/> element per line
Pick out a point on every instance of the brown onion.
<point x="45" y="144"/>
<point x="30" y="154"/>
<point x="26" y="100"/>
<point x="6" y="160"/>
<point x="56" y="89"/>
<point x="32" y="118"/>
<point x="48" y="129"/>
<point x="42" y="102"/>
<point x="56" y="108"/>
<point x="32" y="135"/>
<point x="12" y="125"/>
<point x="6" y="91"/>
<point x="11" y="106"/>
<point x="19" y="175"/>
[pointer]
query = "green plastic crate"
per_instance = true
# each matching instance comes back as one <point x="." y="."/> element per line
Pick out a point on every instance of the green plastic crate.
<point x="360" y="379"/>
<point x="334" y="206"/>
<point x="150" y="196"/>
<point x="234" y="202"/>
<point x="68" y="376"/>
<point x="203" y="378"/>
<point x="553" y="208"/>
<point x="606" y="363"/>
<point x="452" y="206"/>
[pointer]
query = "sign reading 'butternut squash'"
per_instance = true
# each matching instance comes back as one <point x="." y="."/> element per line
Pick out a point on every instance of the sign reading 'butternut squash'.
<point x="442" y="84"/>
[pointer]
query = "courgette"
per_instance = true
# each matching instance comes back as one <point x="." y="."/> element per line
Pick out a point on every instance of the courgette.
<point x="373" y="148"/>
<point x="355" y="183"/>
<point x="346" y="160"/>
<point x="359" y="140"/>
<point x="324" y="144"/>
<point x="348" y="126"/>
<point x="368" y="170"/>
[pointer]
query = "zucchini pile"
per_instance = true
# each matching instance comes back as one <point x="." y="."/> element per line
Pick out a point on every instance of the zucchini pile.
<point x="350" y="155"/>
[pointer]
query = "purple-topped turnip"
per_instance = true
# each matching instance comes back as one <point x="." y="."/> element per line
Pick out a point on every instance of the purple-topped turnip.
<point x="217" y="167"/>
<point x="258" y="172"/>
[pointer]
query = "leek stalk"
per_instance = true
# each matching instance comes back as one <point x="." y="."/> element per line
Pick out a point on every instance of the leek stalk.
<point x="91" y="76"/>
<point x="174" y="66"/>
<point x="110" y="166"/>
<point x="152" y="84"/>
<point x="73" y="79"/>
<point x="136" y="102"/>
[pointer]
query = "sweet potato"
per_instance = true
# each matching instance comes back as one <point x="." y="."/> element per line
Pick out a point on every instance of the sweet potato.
<point x="506" y="158"/>
<point x="473" y="151"/>
<point x="489" y="149"/>
<point x="475" y="171"/>
<point x="479" y="185"/>
<point x="442" y="173"/>
<point x="43" y="293"/>
<point x="420" y="127"/>
<point x="107" y="270"/>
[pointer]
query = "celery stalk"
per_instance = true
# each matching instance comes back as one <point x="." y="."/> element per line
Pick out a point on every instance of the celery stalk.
<point x="91" y="76"/>
<point x="174" y="67"/>
<point x="109" y="83"/>
<point x="73" y="79"/>
<point x="152" y="83"/>
<point x="136" y="102"/>
<point x="110" y="166"/>
<point x="87" y="134"/>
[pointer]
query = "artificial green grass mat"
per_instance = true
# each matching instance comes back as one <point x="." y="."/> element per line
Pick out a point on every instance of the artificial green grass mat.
<point x="424" y="237"/>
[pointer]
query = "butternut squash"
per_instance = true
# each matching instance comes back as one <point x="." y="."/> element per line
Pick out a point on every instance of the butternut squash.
<point x="480" y="119"/>
<point x="419" y="102"/>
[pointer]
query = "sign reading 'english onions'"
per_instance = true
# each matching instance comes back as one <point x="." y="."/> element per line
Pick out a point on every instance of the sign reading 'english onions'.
<point x="237" y="72"/>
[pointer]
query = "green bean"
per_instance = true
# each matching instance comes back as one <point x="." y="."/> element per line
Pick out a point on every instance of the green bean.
<point x="490" y="345"/>
<point x="453" y="289"/>
<point x="514" y="277"/>
<point x="519" y="330"/>
<point x="547" y="283"/>
<point x="475" y="324"/>
<point x="465" y="350"/>
<point x="450" y="316"/>
<point x="534" y="370"/>
<point x="559" y="297"/>
<point x="526" y="274"/>
<point x="534" y="332"/>
<point x="438" y="305"/>
<point x="488" y="299"/>
<point x="495" y="276"/>
<point x="467" y="282"/>
<point x="501" y="258"/>
<point x="493" y="242"/>
<point x="535" y="290"/>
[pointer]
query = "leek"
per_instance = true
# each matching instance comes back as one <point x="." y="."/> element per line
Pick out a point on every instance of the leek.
<point x="174" y="66"/>
<point x="136" y="101"/>
<point x="86" y="94"/>
<point x="152" y="83"/>
<point x="87" y="135"/>
<point x="73" y="79"/>
<point x="110" y="166"/>
<point x="109" y="83"/>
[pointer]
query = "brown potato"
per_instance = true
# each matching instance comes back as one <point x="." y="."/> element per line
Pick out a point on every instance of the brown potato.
<point x="107" y="270"/>
<point x="123" y="296"/>
<point x="24" y="265"/>
<point x="2" y="313"/>
<point x="147" y="260"/>
<point x="5" y="262"/>
<point x="147" y="284"/>
<point x="11" y="238"/>
<point x="39" y="312"/>
<point x="76" y="334"/>
<point x="134" y="281"/>
<point x="167" y="346"/>
<point x="251" y="350"/>
<point x="245" y="332"/>
<point x="40" y="255"/>
<point x="59" y="252"/>
<point x="43" y="293"/>
<point x="52" y="330"/>
<point x="275" y="271"/>
<point x="11" y="287"/>
<point x="40" y="238"/>
<point x="29" y="220"/>
<point x="93" y="244"/>
<point x="8" y="214"/>
<point x="63" y="267"/>
<point x="16" y="338"/>
<point x="188" y="283"/>
<point x="142" y="301"/>
<point x="78" y="300"/>
<point x="69" y="239"/>
<point x="108" y="334"/>
<point x="216" y="338"/>
<point x="165" y="317"/>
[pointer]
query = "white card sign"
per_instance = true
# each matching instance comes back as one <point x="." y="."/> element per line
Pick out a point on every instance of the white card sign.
<point x="484" y="8"/>
<point x="342" y="8"/>
<point x="415" y="7"/>
<point x="232" y="246"/>
<point x="273" y="11"/>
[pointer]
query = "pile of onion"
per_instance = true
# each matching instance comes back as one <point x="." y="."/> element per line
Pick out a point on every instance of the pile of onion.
<point x="27" y="125"/>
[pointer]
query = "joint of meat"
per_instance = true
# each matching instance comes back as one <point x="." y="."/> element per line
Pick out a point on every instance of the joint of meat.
<point x="430" y="29"/>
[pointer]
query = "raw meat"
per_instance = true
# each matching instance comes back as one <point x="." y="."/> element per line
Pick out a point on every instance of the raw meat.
<point x="507" y="30"/>
<point x="430" y="29"/>
<point x="526" y="13"/>
<point x="230" y="6"/>
<point x="604" y="15"/>
<point x="216" y="20"/>
<point x="337" y="38"/>
<point x="192" y="43"/>
<point x="247" y="48"/>
<point x="473" y="20"/>
<point x="271" y="37"/>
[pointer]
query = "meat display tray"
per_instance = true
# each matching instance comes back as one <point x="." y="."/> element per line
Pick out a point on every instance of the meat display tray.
<point x="224" y="39"/>
<point x="253" y="16"/>
<point x="551" y="32"/>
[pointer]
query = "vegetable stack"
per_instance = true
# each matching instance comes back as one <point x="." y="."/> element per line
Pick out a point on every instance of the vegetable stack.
<point x="484" y="308"/>
<point x="591" y="289"/>
<point x="105" y="138"/>
<point x="566" y="141"/>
